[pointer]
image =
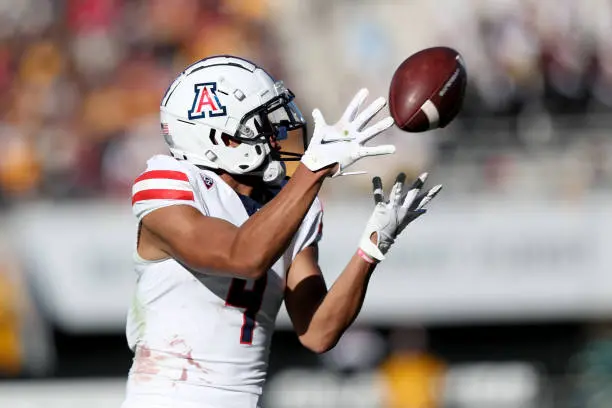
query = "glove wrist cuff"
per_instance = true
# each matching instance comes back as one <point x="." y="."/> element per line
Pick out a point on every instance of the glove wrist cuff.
<point x="370" y="249"/>
<point x="312" y="163"/>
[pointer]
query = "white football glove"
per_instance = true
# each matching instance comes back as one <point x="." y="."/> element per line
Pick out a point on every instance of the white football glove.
<point x="391" y="217"/>
<point x="343" y="143"/>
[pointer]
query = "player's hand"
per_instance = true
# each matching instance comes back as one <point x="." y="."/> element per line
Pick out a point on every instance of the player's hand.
<point x="343" y="143"/>
<point x="391" y="216"/>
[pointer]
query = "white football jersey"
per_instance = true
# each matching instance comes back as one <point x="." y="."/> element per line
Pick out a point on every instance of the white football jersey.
<point x="199" y="330"/>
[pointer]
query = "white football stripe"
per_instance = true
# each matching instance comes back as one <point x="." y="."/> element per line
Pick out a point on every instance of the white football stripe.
<point x="430" y="110"/>
<point x="161" y="184"/>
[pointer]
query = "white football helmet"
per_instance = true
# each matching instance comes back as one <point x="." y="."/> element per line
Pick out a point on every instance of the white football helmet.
<point x="222" y="99"/>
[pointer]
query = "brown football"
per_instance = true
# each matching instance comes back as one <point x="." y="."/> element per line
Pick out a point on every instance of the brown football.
<point x="427" y="89"/>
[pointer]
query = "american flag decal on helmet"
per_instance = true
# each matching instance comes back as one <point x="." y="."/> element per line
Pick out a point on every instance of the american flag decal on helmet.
<point x="166" y="133"/>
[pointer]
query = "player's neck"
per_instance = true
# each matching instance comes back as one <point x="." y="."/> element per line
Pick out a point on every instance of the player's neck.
<point x="237" y="186"/>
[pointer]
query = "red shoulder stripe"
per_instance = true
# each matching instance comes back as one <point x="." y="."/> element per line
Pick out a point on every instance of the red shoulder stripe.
<point x="161" y="194"/>
<point x="162" y="174"/>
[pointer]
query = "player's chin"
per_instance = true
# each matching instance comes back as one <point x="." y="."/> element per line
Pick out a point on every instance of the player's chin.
<point x="254" y="176"/>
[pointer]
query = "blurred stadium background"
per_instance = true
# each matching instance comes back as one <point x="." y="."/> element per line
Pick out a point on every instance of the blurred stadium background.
<point x="500" y="298"/>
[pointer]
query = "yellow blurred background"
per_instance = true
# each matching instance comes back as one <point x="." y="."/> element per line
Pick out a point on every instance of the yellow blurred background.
<point x="501" y="297"/>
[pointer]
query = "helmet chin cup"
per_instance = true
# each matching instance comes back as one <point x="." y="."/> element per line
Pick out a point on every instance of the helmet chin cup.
<point x="274" y="173"/>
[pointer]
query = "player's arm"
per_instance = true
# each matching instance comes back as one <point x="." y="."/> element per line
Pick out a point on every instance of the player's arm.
<point x="320" y="317"/>
<point x="204" y="243"/>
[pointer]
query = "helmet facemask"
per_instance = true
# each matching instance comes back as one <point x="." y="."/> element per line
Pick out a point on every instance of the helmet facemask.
<point x="279" y="120"/>
<point x="276" y="123"/>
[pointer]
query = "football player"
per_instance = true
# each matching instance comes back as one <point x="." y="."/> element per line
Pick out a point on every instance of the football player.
<point x="224" y="237"/>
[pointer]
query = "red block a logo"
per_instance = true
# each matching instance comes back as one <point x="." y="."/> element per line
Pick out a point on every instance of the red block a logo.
<point x="206" y="102"/>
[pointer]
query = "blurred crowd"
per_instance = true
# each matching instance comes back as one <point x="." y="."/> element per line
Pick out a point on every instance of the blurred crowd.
<point x="537" y="109"/>
<point x="82" y="80"/>
<point x="529" y="57"/>
<point x="535" y="52"/>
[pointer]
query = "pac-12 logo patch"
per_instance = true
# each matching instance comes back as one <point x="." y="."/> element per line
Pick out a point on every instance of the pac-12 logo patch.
<point x="208" y="182"/>
<point x="206" y="102"/>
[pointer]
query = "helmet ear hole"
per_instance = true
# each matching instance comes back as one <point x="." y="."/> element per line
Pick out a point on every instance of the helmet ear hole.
<point x="212" y="137"/>
<point x="258" y="149"/>
<point x="225" y="138"/>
